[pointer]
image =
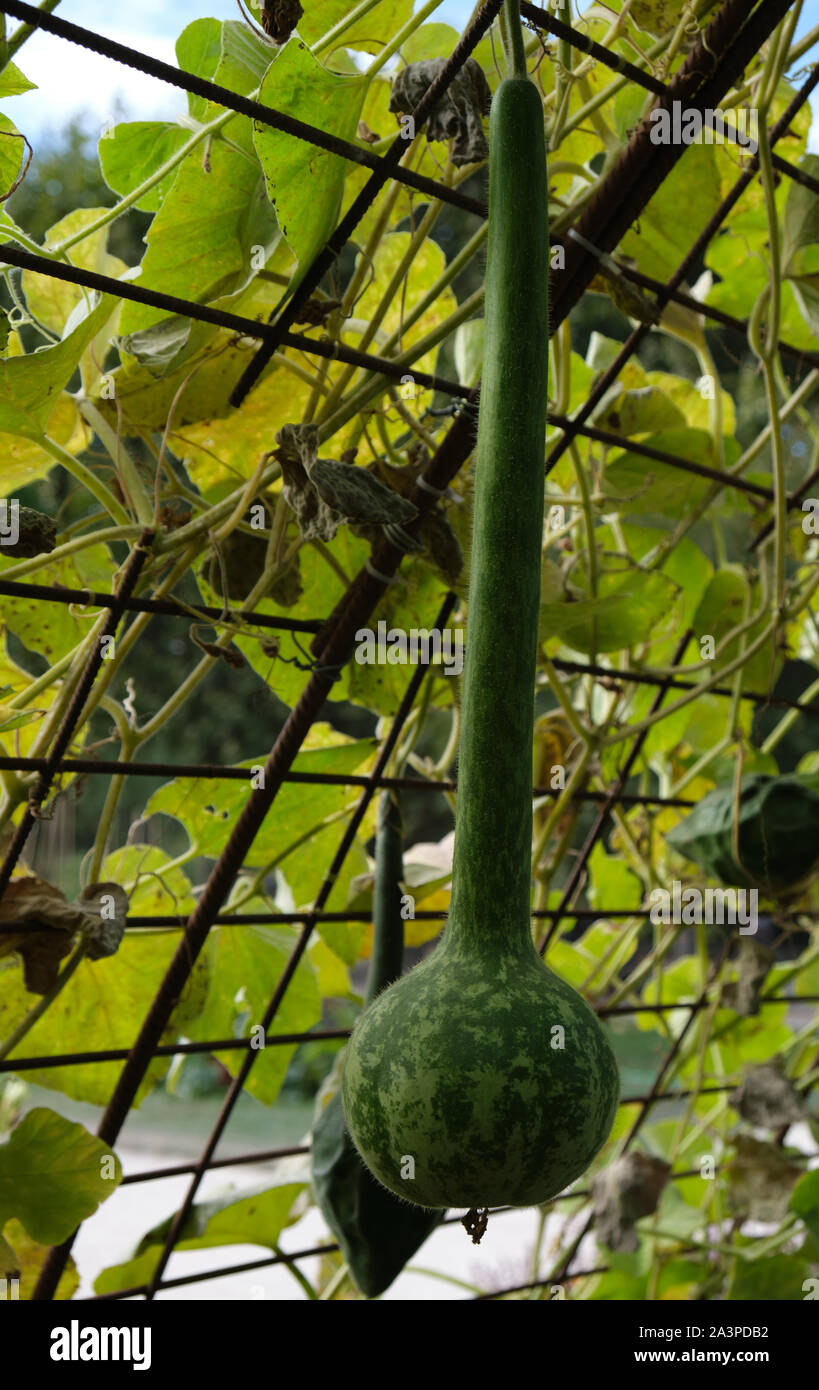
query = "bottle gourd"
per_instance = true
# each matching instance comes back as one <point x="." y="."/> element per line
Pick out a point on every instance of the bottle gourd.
<point x="481" y="1078"/>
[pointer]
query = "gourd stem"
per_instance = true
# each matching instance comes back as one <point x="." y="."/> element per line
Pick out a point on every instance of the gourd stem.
<point x="515" y="51"/>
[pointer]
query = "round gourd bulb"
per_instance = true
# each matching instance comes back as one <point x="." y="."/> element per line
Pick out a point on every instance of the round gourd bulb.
<point x="470" y="1084"/>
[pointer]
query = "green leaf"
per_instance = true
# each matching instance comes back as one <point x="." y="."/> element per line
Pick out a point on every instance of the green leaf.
<point x="380" y="686"/>
<point x="721" y="608"/>
<point x="612" y="882"/>
<point x="304" y="183"/>
<point x="246" y="964"/>
<point x="51" y="1175"/>
<point x="208" y="809"/>
<point x="13" y="81"/>
<point x="776" y="1278"/>
<point x="212" y="364"/>
<point x="801" y="221"/>
<point x="54" y="629"/>
<point x="650" y="486"/>
<point x="642" y="410"/>
<point x="25" y="461"/>
<point x="677" y="213"/>
<point x="200" y="241"/>
<point x="105" y="1001"/>
<point x="656" y="17"/>
<point x="198" y="50"/>
<point x="17" y="719"/>
<point x="630" y="609"/>
<point x="29" y="385"/>
<point x="805" y="289"/>
<point x="778" y="825"/>
<point x="243" y="60"/>
<point x="469" y="351"/>
<point x="154" y="883"/>
<point x="304" y="870"/>
<point x="133" y="150"/>
<point x="257" y="1217"/>
<point x="13" y="154"/>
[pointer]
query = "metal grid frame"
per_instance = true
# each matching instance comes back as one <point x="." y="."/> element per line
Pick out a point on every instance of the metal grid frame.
<point x="735" y="33"/>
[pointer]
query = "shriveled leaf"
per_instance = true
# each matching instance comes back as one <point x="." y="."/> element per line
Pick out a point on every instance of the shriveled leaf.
<point x="457" y="114"/>
<point x="43" y="928"/>
<point x="107" y="904"/>
<point x="767" y="1098"/>
<point x="625" y="1191"/>
<point x="753" y="965"/>
<point x="760" y="1178"/>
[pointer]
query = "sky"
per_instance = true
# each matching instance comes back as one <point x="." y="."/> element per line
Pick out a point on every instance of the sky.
<point x="72" y="81"/>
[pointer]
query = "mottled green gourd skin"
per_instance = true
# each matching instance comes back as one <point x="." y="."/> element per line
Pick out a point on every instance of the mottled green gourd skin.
<point x="455" y="1067"/>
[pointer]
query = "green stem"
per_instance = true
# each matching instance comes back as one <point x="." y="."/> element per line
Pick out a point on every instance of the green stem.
<point x="126" y="469"/>
<point x="60" y="552"/>
<point x="84" y="475"/>
<point x="513" y="40"/>
<point x="337" y="1283"/>
<point x="400" y="38"/>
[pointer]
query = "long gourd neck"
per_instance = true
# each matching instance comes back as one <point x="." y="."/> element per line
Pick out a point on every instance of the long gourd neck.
<point x="493" y="839"/>
<point x="388" y="926"/>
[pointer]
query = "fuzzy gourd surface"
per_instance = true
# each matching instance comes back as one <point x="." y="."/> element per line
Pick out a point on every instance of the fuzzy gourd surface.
<point x="481" y="1078"/>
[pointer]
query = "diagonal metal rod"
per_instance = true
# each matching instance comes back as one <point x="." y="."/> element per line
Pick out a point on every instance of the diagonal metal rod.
<point x="609" y="376"/>
<point x="720" y="55"/>
<point x="541" y="19"/>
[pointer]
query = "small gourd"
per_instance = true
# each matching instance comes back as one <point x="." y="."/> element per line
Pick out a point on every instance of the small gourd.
<point x="481" y="1078"/>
